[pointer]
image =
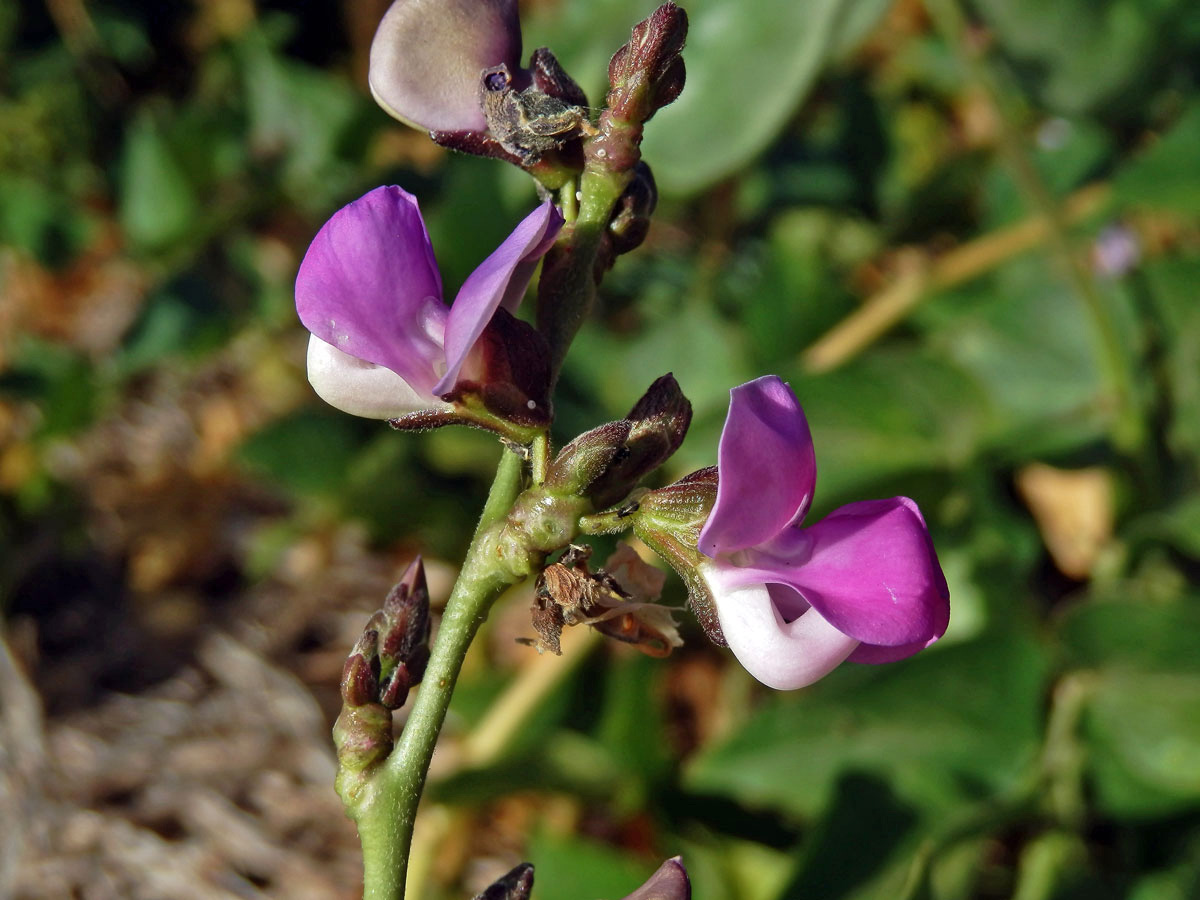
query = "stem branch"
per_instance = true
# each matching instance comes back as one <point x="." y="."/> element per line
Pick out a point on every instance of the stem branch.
<point x="388" y="805"/>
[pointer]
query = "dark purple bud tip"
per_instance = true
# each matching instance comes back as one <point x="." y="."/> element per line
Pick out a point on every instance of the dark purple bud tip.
<point x="408" y="595"/>
<point x="670" y="882"/>
<point x="404" y="641"/>
<point x="647" y="73"/>
<point x="658" y="424"/>
<point x="360" y="680"/>
<point x="394" y="691"/>
<point x="516" y="885"/>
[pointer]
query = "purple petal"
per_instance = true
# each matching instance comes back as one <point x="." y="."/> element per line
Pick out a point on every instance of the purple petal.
<point x="870" y="569"/>
<point x="500" y="281"/>
<point x="782" y="655"/>
<point x="427" y="57"/>
<point x="874" y="654"/>
<point x="361" y="388"/>
<point x="767" y="468"/>
<point x="669" y="882"/>
<point x="369" y="285"/>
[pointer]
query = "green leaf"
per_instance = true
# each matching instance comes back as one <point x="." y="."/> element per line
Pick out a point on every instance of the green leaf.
<point x="943" y="725"/>
<point x="1143" y="713"/>
<point x="1178" y="525"/>
<point x="298" y="113"/>
<point x="1172" y="285"/>
<point x="1144" y="730"/>
<point x="1081" y="53"/>
<point x="567" y="868"/>
<point x="841" y="856"/>
<point x="158" y="205"/>
<point x="705" y="355"/>
<point x="749" y="66"/>
<point x="1025" y="336"/>
<point x="309" y="451"/>
<point x="1133" y="633"/>
<point x="890" y="412"/>
<point x="1167" y="176"/>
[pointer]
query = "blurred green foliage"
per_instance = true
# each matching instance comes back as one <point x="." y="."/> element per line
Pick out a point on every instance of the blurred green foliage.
<point x="1049" y="747"/>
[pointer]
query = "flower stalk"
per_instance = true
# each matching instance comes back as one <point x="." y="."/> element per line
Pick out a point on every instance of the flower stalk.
<point x="385" y="805"/>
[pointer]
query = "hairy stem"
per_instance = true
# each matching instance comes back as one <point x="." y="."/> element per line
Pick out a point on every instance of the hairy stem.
<point x="388" y="806"/>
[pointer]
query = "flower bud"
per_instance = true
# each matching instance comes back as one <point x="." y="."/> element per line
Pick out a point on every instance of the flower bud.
<point x="363" y="737"/>
<point x="658" y="424"/>
<point x="606" y="463"/>
<point x="390" y="656"/>
<point x="582" y="462"/>
<point x="427" y="55"/>
<point x="360" y="675"/>
<point x="648" y="73"/>
<point x="669" y="882"/>
<point x="630" y="221"/>
<point x="404" y="638"/>
<point x="516" y="885"/>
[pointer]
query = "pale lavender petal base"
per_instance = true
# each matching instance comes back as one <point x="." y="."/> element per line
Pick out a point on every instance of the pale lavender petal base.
<point x="767" y="468"/>
<point x="369" y="285"/>
<point x="784" y="656"/>
<point x="500" y="280"/>
<point x="360" y="388"/>
<point x="427" y="57"/>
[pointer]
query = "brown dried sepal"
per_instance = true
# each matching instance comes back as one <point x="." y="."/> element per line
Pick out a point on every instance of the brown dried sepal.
<point x="569" y="593"/>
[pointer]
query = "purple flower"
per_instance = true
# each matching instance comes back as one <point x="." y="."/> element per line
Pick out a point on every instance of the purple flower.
<point x="427" y="57"/>
<point x="383" y="341"/>
<point x="862" y="584"/>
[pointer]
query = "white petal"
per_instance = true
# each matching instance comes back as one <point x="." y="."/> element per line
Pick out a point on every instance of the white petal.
<point x="782" y="655"/>
<point x="362" y="388"/>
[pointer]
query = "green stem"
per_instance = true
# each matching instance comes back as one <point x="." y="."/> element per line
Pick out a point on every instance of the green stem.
<point x="568" y="201"/>
<point x="539" y="458"/>
<point x="505" y="488"/>
<point x="387" y="808"/>
<point x="569" y="273"/>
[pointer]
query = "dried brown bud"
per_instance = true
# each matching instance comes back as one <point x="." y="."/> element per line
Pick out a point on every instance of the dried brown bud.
<point x="568" y="593"/>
